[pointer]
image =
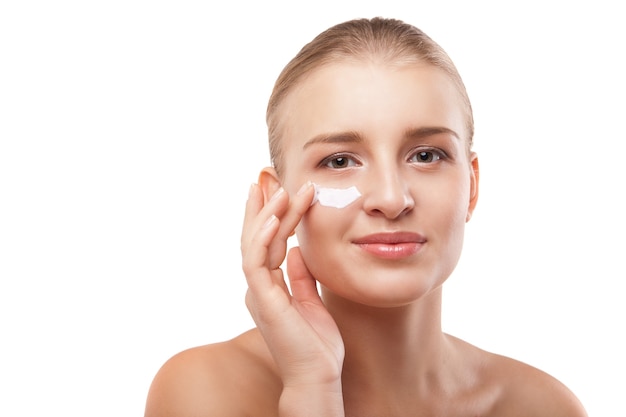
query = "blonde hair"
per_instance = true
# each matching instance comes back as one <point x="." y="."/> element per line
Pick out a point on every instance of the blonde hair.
<point x="389" y="40"/>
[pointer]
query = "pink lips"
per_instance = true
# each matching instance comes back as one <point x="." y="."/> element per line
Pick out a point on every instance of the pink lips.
<point x="395" y="245"/>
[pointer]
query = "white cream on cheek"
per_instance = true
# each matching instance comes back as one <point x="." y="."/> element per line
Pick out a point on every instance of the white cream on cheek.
<point x="335" y="197"/>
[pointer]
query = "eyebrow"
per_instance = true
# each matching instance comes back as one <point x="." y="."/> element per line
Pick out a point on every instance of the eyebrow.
<point x="356" y="137"/>
<point x="423" y="132"/>
<point x="341" y="137"/>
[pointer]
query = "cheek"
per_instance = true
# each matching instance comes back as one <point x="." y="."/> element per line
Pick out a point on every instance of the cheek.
<point x="446" y="206"/>
<point x="458" y="189"/>
<point x="310" y="233"/>
<point x="320" y="232"/>
<point x="314" y="228"/>
<point x="453" y="213"/>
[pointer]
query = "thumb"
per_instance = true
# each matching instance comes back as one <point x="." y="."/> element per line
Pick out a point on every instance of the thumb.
<point x="303" y="285"/>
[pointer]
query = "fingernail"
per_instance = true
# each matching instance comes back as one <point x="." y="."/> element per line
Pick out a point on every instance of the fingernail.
<point x="269" y="221"/>
<point x="277" y="193"/>
<point x="304" y="187"/>
<point x="251" y="189"/>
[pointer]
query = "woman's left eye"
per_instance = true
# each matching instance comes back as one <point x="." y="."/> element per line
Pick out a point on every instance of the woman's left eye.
<point x="426" y="156"/>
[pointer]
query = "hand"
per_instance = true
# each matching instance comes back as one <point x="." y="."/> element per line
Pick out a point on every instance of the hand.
<point x="300" y="333"/>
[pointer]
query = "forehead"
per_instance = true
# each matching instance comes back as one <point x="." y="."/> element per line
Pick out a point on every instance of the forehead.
<point x="371" y="98"/>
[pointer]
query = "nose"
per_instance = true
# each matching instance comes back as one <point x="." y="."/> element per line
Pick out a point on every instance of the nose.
<point x="387" y="193"/>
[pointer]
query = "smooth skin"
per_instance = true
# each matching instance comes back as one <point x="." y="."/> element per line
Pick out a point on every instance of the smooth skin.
<point x="371" y="344"/>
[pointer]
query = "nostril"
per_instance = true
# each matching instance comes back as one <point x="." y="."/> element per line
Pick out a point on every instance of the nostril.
<point x="390" y="202"/>
<point x="389" y="209"/>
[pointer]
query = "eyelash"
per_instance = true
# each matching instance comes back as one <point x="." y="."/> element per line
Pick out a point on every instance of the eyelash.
<point x="434" y="156"/>
<point x="329" y="159"/>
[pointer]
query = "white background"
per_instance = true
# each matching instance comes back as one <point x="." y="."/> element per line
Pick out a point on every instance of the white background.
<point x="130" y="132"/>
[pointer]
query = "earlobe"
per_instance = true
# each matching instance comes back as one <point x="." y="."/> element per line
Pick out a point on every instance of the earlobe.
<point x="269" y="183"/>
<point x="474" y="176"/>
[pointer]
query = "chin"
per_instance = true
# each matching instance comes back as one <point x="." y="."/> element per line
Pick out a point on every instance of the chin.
<point x="386" y="289"/>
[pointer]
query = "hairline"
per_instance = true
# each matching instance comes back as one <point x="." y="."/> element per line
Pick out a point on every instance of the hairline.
<point x="275" y="111"/>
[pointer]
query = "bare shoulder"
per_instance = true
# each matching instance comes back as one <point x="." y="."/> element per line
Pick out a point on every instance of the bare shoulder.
<point x="527" y="391"/>
<point x="231" y="378"/>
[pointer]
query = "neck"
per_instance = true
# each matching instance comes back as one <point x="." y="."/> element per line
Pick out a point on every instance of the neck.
<point x="399" y="351"/>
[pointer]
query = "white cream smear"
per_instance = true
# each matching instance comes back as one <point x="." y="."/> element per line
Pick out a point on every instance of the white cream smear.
<point x="335" y="197"/>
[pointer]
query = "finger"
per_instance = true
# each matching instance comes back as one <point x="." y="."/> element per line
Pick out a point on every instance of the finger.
<point x="257" y="213"/>
<point x="266" y="302"/>
<point x="298" y="206"/>
<point x="254" y="204"/>
<point x="267" y="287"/>
<point x="254" y="251"/>
<point x="303" y="284"/>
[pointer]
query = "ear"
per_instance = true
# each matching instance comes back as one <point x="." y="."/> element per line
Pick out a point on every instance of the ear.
<point x="269" y="183"/>
<point x="474" y="176"/>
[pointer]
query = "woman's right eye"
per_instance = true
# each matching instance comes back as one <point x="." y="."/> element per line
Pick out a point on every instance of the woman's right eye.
<point x="338" y="162"/>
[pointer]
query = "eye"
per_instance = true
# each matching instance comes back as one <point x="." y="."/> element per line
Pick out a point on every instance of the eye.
<point x="338" y="162"/>
<point x="426" y="156"/>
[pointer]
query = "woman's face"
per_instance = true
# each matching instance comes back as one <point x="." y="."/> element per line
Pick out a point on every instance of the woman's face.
<point x="398" y="135"/>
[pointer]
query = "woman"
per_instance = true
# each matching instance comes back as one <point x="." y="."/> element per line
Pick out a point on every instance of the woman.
<point x="370" y="132"/>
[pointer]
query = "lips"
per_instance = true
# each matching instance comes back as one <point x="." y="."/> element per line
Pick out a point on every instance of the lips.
<point x="395" y="245"/>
